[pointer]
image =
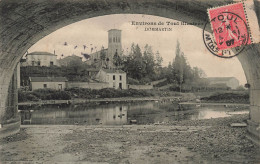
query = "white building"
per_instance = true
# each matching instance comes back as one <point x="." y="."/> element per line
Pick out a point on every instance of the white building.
<point x="57" y="83"/>
<point x="115" y="78"/>
<point x="231" y="82"/>
<point x="40" y="59"/>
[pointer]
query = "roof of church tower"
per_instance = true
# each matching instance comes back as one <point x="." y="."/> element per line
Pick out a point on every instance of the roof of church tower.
<point x="114" y="30"/>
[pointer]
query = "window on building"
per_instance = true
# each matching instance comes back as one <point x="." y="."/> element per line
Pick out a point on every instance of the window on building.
<point x="114" y="40"/>
<point x="120" y="77"/>
<point x="110" y="40"/>
<point x="114" y="84"/>
<point x="60" y="86"/>
<point x="39" y="63"/>
<point x="51" y="63"/>
<point x="32" y="63"/>
<point x="114" y="77"/>
<point x="44" y="85"/>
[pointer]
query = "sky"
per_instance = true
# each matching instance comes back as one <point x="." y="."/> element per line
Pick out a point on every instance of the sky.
<point x="93" y="33"/>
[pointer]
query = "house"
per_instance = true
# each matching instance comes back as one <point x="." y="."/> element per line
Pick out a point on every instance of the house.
<point x="57" y="83"/>
<point x="96" y="59"/>
<point x="73" y="59"/>
<point x="39" y="59"/>
<point x="92" y="72"/>
<point x="231" y="82"/>
<point x="115" y="78"/>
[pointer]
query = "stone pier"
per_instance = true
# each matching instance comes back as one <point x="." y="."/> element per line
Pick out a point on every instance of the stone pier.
<point x="10" y="122"/>
<point x="250" y="61"/>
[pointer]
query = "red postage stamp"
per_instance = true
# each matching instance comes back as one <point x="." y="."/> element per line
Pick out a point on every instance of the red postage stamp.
<point x="229" y="25"/>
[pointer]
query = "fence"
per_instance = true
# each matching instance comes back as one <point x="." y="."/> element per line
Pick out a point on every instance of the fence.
<point x="143" y="87"/>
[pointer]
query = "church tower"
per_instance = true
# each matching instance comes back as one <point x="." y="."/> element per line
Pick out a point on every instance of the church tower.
<point x="114" y="45"/>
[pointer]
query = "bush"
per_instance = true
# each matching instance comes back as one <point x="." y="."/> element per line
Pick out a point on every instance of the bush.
<point x="241" y="88"/>
<point x="43" y="94"/>
<point x="50" y="94"/>
<point x="228" y="97"/>
<point x="81" y="92"/>
<point x="162" y="83"/>
<point x="26" y="96"/>
<point x="145" y="80"/>
<point x="60" y="95"/>
<point x="132" y="81"/>
<point x="107" y="93"/>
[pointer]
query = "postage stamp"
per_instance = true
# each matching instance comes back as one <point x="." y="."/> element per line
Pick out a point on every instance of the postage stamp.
<point x="212" y="46"/>
<point x="229" y="26"/>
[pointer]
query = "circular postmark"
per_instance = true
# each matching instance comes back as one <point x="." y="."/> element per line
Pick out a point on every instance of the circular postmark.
<point x="230" y="35"/>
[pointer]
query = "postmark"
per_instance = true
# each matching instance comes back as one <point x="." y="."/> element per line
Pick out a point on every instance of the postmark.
<point x="234" y="41"/>
<point x="230" y="31"/>
<point x="229" y="26"/>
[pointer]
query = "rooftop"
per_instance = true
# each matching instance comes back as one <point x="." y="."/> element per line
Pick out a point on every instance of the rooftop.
<point x="72" y="56"/>
<point x="92" y="69"/>
<point x="114" y="30"/>
<point x="48" y="79"/>
<point x="220" y="78"/>
<point x="42" y="53"/>
<point x="113" y="71"/>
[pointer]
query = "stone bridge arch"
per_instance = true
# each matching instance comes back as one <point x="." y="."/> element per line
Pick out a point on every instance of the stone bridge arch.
<point x="23" y="23"/>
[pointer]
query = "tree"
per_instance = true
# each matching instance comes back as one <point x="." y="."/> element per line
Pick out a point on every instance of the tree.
<point x="202" y="74"/>
<point x="138" y="65"/>
<point x="149" y="61"/>
<point x="177" y="65"/>
<point x="159" y="60"/>
<point x="117" y="60"/>
<point x="102" y="56"/>
<point x="182" y="71"/>
<point x="134" y="64"/>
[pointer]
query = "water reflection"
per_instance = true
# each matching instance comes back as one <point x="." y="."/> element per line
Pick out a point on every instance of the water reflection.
<point x="75" y="114"/>
<point x="118" y="113"/>
<point x="207" y="113"/>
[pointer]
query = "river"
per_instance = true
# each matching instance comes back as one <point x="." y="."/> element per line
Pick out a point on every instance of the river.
<point x="151" y="112"/>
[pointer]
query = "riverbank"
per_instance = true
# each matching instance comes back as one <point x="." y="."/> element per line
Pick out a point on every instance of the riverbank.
<point x="82" y="101"/>
<point x="227" y="97"/>
<point x="202" y="104"/>
<point x="197" y="141"/>
<point x="48" y="97"/>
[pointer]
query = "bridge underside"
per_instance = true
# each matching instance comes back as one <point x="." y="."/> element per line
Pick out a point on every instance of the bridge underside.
<point x="23" y="23"/>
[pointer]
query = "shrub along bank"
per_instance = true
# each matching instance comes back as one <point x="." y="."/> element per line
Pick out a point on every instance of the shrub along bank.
<point x="107" y="93"/>
<point x="228" y="97"/>
<point x="43" y="94"/>
<point x="67" y="94"/>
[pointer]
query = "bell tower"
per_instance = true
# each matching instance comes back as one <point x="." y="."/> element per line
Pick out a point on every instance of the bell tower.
<point x="114" y="45"/>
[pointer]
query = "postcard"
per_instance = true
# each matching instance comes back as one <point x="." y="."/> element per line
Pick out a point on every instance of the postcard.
<point x="126" y="81"/>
